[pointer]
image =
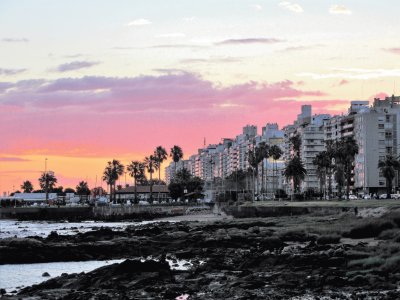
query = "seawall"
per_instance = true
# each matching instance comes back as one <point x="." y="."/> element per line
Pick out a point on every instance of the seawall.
<point x="106" y="213"/>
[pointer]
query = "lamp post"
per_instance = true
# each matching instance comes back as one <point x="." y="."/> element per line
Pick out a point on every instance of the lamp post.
<point x="46" y="180"/>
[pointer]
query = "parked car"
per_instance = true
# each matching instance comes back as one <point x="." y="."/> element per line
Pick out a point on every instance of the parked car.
<point x="395" y="196"/>
<point x="352" y="197"/>
<point x="366" y="197"/>
<point x="382" y="196"/>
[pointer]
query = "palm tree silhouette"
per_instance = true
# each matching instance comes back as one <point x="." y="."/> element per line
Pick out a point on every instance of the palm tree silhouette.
<point x="136" y="170"/>
<point x="160" y="155"/>
<point x="27" y="186"/>
<point x="388" y="167"/>
<point x="150" y="162"/>
<point x="176" y="154"/>
<point x="111" y="173"/>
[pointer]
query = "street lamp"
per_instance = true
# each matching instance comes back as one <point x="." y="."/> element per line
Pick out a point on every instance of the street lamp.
<point x="46" y="180"/>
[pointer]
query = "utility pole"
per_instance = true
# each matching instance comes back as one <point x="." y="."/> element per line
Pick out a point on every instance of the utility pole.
<point x="46" y="182"/>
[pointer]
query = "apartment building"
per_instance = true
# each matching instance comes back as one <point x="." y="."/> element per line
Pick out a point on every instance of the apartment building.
<point x="377" y="134"/>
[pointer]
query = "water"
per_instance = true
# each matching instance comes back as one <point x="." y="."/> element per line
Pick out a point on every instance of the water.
<point x="12" y="228"/>
<point x="15" y="277"/>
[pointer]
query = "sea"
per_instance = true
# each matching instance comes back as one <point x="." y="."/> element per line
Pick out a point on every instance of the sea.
<point x="14" y="277"/>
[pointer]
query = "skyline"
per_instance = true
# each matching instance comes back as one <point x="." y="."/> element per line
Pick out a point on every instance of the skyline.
<point x="83" y="83"/>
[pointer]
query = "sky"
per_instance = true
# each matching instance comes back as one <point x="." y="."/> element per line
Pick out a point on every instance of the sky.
<point x="84" y="82"/>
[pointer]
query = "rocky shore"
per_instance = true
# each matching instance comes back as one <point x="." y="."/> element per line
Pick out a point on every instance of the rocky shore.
<point x="299" y="257"/>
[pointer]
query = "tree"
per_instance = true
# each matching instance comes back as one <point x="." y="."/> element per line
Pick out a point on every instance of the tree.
<point x="339" y="178"/>
<point x="183" y="175"/>
<point x="27" y="186"/>
<point x="262" y="152"/>
<point x="275" y="152"/>
<point x="150" y="162"/>
<point x="253" y="162"/>
<point x="296" y="144"/>
<point x="321" y="161"/>
<point x="346" y="150"/>
<point x="295" y="170"/>
<point x="98" y="191"/>
<point x="388" y="167"/>
<point x="176" y="154"/>
<point x="47" y="181"/>
<point x="184" y="180"/>
<point x="69" y="190"/>
<point x="330" y="153"/>
<point x="111" y="173"/>
<point x="136" y="171"/>
<point x="160" y="155"/>
<point x="82" y="188"/>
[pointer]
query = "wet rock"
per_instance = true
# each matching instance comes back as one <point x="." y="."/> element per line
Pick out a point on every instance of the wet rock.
<point x="45" y="274"/>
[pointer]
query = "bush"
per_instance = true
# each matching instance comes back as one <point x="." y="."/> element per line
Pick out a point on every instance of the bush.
<point x="296" y="236"/>
<point x="370" y="229"/>
<point x="328" y="239"/>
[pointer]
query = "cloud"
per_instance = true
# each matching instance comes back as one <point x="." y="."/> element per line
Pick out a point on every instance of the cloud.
<point x="12" y="159"/>
<point x="211" y="60"/>
<point x="257" y="7"/>
<point x="381" y="95"/>
<point x="172" y="35"/>
<point x="81" y="114"/>
<point x="182" y="46"/>
<point x="354" y="73"/>
<point x="294" y="7"/>
<point x="75" y="65"/>
<point x="393" y="50"/>
<point x="10" y="72"/>
<point x="343" y="82"/>
<point x="15" y="40"/>
<point x="339" y="9"/>
<point x="245" y="41"/>
<point x="139" y="22"/>
<point x="301" y="48"/>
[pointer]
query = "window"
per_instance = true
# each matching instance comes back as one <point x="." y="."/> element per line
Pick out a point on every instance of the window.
<point x="381" y="126"/>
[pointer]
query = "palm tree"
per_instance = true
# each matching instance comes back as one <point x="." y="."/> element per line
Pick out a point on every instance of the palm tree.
<point x="321" y="161"/>
<point x="295" y="170"/>
<point x="275" y="152"/>
<point x="160" y="155"/>
<point x="339" y="177"/>
<point x="47" y="181"/>
<point x="111" y="173"/>
<point x="150" y="162"/>
<point x="176" y="154"/>
<point x="82" y="188"/>
<point x="296" y="144"/>
<point x="254" y="158"/>
<point x="388" y="168"/>
<point x="330" y="153"/>
<point x="27" y="186"/>
<point x="136" y="170"/>
<point x="262" y="152"/>
<point x="346" y="150"/>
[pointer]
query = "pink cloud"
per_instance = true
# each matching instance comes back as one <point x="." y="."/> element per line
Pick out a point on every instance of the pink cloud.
<point x="343" y="82"/>
<point x="381" y="95"/>
<point x="393" y="50"/>
<point x="110" y="116"/>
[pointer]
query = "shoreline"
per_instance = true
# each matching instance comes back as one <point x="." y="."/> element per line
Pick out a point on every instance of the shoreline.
<point x="338" y="256"/>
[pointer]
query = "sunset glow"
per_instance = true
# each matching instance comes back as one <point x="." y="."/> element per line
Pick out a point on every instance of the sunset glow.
<point x="83" y="82"/>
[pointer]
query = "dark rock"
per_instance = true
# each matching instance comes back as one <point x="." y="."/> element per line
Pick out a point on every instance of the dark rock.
<point x="45" y="274"/>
